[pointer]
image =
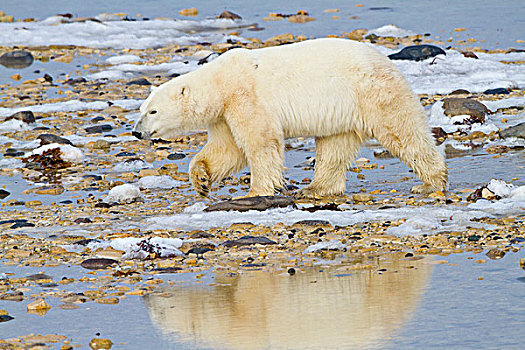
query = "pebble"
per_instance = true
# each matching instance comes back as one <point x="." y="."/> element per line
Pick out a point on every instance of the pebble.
<point x="496" y="91"/>
<point x="362" y="197"/>
<point x="16" y="59"/>
<point x="417" y="53"/>
<point x="100" y="343"/>
<point x="4" y="193"/>
<point x="98" y="129"/>
<point x="140" y="81"/>
<point x="39" y="304"/>
<point x="229" y="15"/>
<point x="98" y="263"/>
<point x="25" y="116"/>
<point x="513" y="131"/>
<point x="495" y="254"/>
<point x="176" y="156"/>
<point x="465" y="106"/>
<point x="248" y="240"/>
<point x="13" y="296"/>
<point x="260" y="203"/>
<point x="46" y="139"/>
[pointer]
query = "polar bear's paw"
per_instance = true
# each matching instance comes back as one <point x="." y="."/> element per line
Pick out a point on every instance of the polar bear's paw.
<point x="200" y="179"/>
<point x="423" y="189"/>
<point x="307" y="193"/>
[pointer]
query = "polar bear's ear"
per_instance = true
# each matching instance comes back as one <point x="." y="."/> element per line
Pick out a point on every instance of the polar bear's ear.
<point x="152" y="88"/>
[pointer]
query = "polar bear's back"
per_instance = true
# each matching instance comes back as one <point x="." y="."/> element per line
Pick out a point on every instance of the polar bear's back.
<point x="317" y="87"/>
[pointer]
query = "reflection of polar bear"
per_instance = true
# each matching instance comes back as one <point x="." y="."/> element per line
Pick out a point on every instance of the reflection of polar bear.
<point x="339" y="91"/>
<point x="310" y="310"/>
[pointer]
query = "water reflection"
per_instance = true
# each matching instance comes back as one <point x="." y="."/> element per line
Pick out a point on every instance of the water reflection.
<point x="310" y="310"/>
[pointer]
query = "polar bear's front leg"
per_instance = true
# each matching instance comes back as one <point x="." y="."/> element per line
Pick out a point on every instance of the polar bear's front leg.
<point x="263" y="145"/>
<point x="219" y="158"/>
<point x="333" y="155"/>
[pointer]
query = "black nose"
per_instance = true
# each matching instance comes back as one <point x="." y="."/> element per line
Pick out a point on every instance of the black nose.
<point x="137" y="134"/>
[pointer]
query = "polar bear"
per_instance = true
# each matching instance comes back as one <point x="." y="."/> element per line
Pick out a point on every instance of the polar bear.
<point x="341" y="92"/>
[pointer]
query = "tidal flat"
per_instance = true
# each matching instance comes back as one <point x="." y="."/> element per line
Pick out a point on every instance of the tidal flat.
<point x="104" y="244"/>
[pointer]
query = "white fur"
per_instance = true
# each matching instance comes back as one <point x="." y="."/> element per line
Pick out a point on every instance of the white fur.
<point x="339" y="91"/>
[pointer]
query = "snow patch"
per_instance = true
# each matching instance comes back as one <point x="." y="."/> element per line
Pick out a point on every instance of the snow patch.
<point x="328" y="245"/>
<point x="162" y="181"/>
<point x="69" y="153"/>
<point x="391" y="30"/>
<point x="126" y="193"/>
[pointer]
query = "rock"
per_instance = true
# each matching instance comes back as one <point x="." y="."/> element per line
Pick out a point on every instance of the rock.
<point x="74" y="81"/>
<point x="98" y="263"/>
<point x="252" y="203"/>
<point x="5" y="318"/>
<point x="465" y="106"/>
<point x="311" y="223"/>
<point x="39" y="304"/>
<point x="459" y="92"/>
<point x="383" y="154"/>
<point x="497" y="149"/>
<point x="248" y="240"/>
<point x="102" y="144"/>
<point x="16" y="59"/>
<point x="24" y="116"/>
<point x="100" y="343"/>
<point x="229" y="15"/>
<point x="362" y="197"/>
<point x="417" y="53"/>
<point x="4" y="194"/>
<point x="189" y="12"/>
<point x="140" y="81"/>
<point x="13" y="296"/>
<point x="176" y="156"/>
<point x="469" y="54"/>
<point x="513" y="131"/>
<point x="495" y="254"/>
<point x="38" y="277"/>
<point x="46" y="139"/>
<point x="522" y="263"/>
<point x="439" y="135"/>
<point x="98" y="129"/>
<point x="496" y="91"/>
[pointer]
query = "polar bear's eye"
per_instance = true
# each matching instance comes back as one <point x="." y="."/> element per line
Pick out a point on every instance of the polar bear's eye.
<point x="153" y="112"/>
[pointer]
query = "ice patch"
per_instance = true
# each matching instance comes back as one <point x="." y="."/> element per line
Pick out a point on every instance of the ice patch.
<point x="333" y="244"/>
<point x="123" y="59"/>
<point x="13" y="125"/>
<point x="126" y="193"/>
<point x="73" y="106"/>
<point x="140" y="248"/>
<point x="391" y="30"/>
<point x="162" y="181"/>
<point x="500" y="188"/>
<point x="195" y="208"/>
<point x="131" y="165"/>
<point x="116" y="34"/>
<point x="69" y="153"/>
<point x="11" y="163"/>
<point x="518" y="101"/>
<point x="123" y="71"/>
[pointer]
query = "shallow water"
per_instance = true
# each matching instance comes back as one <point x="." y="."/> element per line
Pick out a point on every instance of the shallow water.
<point x="499" y="24"/>
<point x="390" y="304"/>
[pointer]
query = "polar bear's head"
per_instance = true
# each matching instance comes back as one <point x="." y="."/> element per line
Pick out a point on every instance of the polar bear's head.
<point x="173" y="108"/>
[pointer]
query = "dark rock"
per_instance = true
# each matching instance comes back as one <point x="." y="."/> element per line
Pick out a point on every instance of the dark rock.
<point x="495" y="254"/>
<point x="383" y="154"/>
<point x="253" y="265"/>
<point x="97" y="119"/>
<point x="98" y="263"/>
<point x="465" y="106"/>
<point x="85" y="242"/>
<point x="514" y="131"/>
<point x="16" y="59"/>
<point x="497" y="91"/>
<point x="167" y="269"/>
<point x="248" y="240"/>
<point x="473" y="238"/>
<point x="13" y="296"/>
<point x="229" y="15"/>
<point x="74" y="81"/>
<point x="312" y="223"/>
<point x="327" y="206"/>
<point x="102" y="205"/>
<point x="201" y="234"/>
<point x="39" y="276"/>
<point x="469" y="54"/>
<point x="5" y="318"/>
<point x="176" y="156"/>
<point x="139" y="81"/>
<point x="252" y="203"/>
<point x="439" y="135"/>
<point x="11" y="152"/>
<point x="291" y="271"/>
<point x="83" y="221"/>
<point x="24" y="116"/>
<point x="4" y="193"/>
<point x="417" y="53"/>
<point x="22" y="224"/>
<point x="459" y="92"/>
<point x="46" y="139"/>
<point x="98" y="129"/>
<point x="48" y="78"/>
